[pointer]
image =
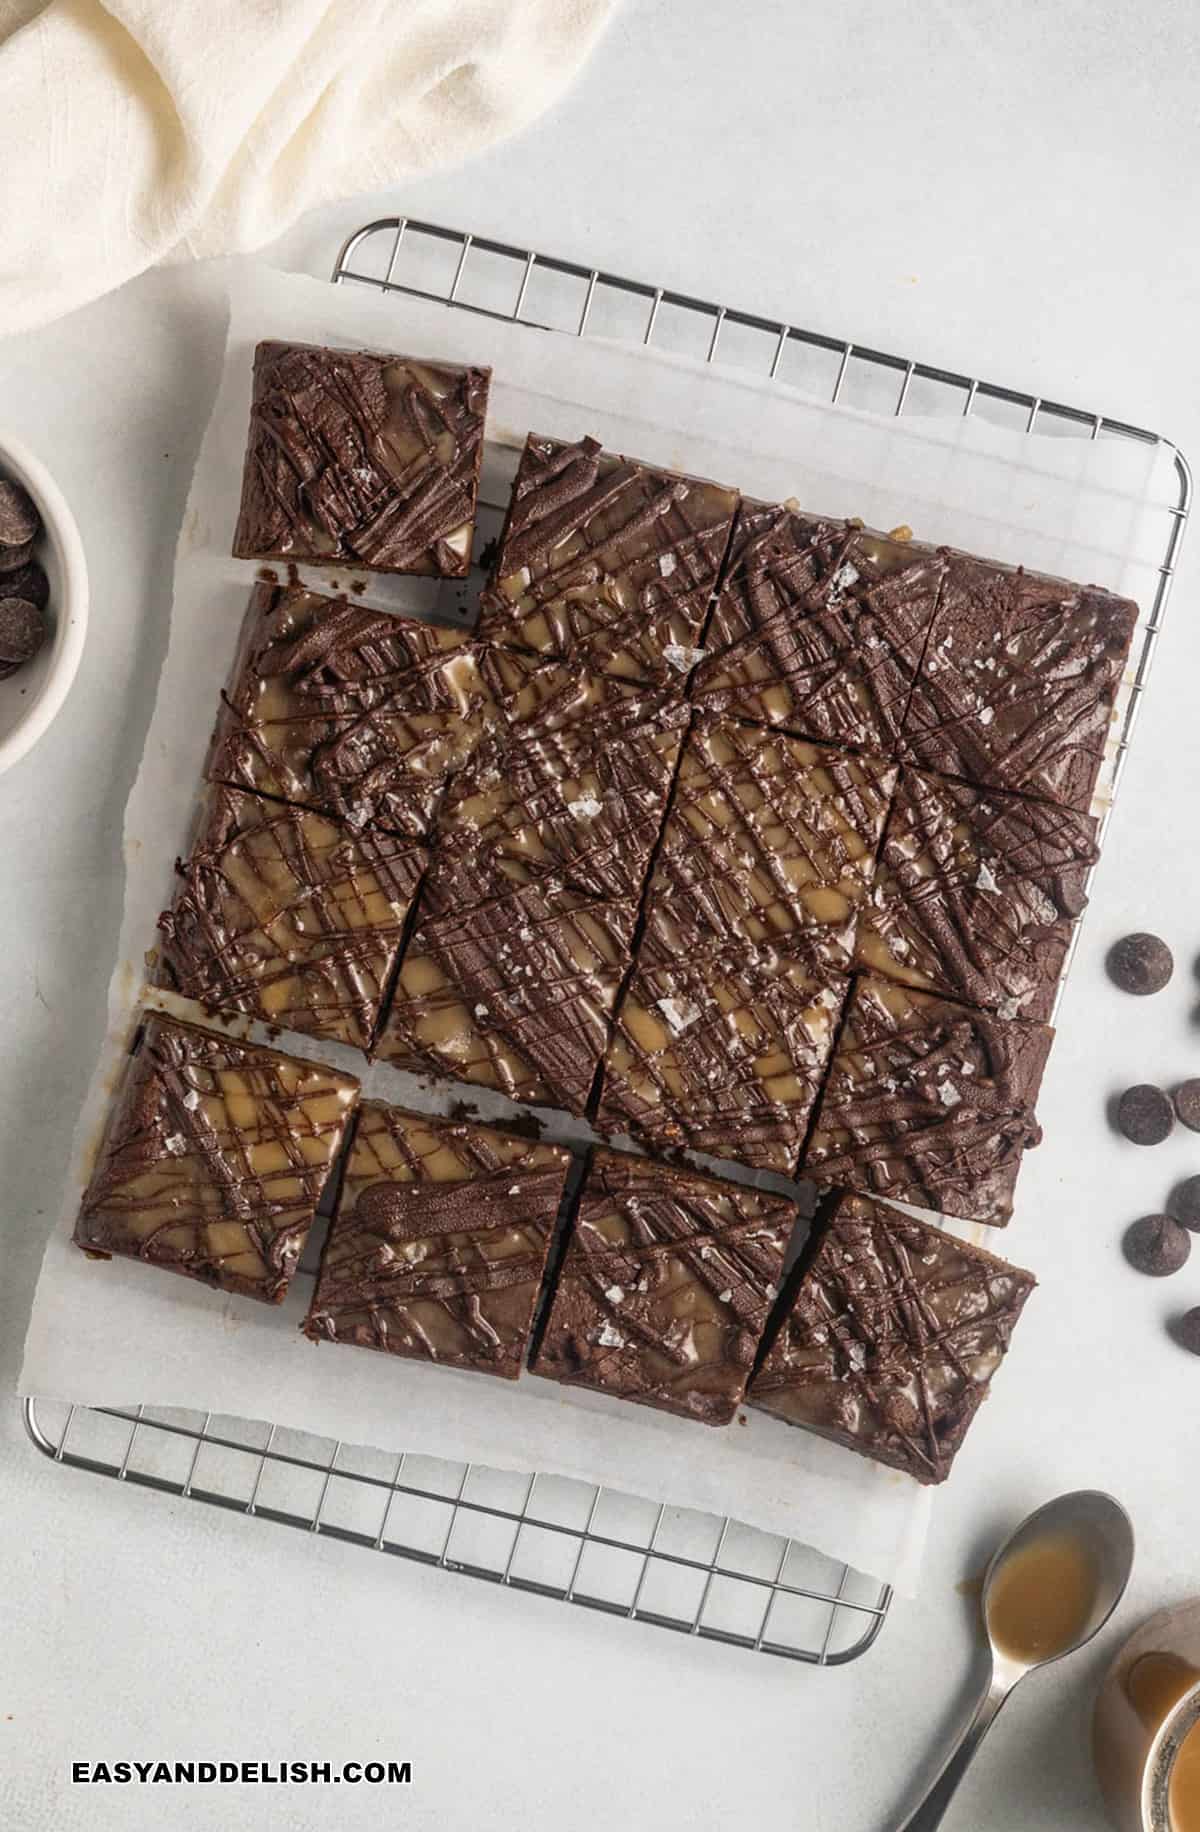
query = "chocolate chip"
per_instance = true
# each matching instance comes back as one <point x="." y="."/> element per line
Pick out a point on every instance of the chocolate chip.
<point x="1145" y="1114"/>
<point x="1140" y="963"/>
<point x="1185" y="1202"/>
<point x="19" y="519"/>
<point x="12" y="559"/>
<point x="1157" y="1245"/>
<point x="29" y="582"/>
<point x="1186" y="1331"/>
<point x="22" y="633"/>
<point x="1187" y="1104"/>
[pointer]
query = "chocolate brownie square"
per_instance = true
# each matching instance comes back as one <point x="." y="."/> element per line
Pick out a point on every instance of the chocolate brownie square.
<point x="365" y="459"/>
<point x="439" y="1242"/>
<point x="573" y="777"/>
<point x="665" y="1287"/>
<point x="723" y="1055"/>
<point x="769" y="841"/>
<point x="508" y="981"/>
<point x="929" y="1102"/>
<point x="607" y="561"/>
<point x="287" y="916"/>
<point x="360" y="715"/>
<point x="891" y="1338"/>
<point x="976" y="894"/>
<point x="819" y="628"/>
<point x="214" y="1159"/>
<point x="1019" y="680"/>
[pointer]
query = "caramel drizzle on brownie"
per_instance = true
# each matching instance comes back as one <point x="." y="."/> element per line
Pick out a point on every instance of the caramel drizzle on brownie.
<point x="628" y="741"/>
<point x="933" y="1107"/>
<point x="893" y="1337"/>
<point x="727" y="1239"/>
<point x="361" y="689"/>
<point x="725" y="1017"/>
<point x="707" y="865"/>
<point x="367" y="1291"/>
<point x="1018" y="681"/>
<point x="228" y="953"/>
<point x="543" y="961"/>
<point x="840" y="634"/>
<point x="204" y="1170"/>
<point x="322" y="456"/>
<point x="987" y="915"/>
<point x="560" y="490"/>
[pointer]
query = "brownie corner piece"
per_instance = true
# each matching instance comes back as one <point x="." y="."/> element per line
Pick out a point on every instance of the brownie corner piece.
<point x="976" y="893"/>
<point x="362" y="458"/>
<point x="819" y="627"/>
<point x="665" y="1287"/>
<point x="929" y="1102"/>
<point x="439" y="1243"/>
<point x="891" y="1338"/>
<point x="1020" y="676"/>
<point x="607" y="559"/>
<point x="287" y="915"/>
<point x="214" y="1158"/>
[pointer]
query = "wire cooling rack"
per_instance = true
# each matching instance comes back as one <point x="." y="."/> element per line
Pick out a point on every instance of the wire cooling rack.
<point x="603" y="1550"/>
<point x="713" y="1578"/>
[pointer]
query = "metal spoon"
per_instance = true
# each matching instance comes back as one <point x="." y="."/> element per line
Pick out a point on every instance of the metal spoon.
<point x="1104" y="1528"/>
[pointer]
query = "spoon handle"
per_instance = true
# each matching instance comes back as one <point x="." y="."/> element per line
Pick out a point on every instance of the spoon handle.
<point x="929" y="1813"/>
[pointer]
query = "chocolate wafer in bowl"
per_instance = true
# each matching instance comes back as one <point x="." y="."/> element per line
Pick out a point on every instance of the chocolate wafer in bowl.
<point x="43" y="599"/>
<point x="24" y="627"/>
<point x="24" y="587"/>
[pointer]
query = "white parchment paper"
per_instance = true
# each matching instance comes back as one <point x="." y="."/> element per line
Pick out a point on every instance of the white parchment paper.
<point x="119" y="1333"/>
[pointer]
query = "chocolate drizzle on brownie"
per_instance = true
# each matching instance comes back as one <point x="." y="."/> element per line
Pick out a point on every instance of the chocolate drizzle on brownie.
<point x="976" y="893"/>
<point x="357" y="714"/>
<point x="892" y="1338"/>
<point x="439" y="1243"/>
<point x="1018" y="682"/>
<point x="722" y="1054"/>
<point x="606" y="560"/>
<point x="769" y="840"/>
<point x="509" y="982"/>
<point x="215" y="1158"/>
<point x="367" y="459"/>
<point x="288" y="917"/>
<point x="929" y="1102"/>
<point x="573" y="776"/>
<point x="665" y="1287"/>
<point x="819" y="627"/>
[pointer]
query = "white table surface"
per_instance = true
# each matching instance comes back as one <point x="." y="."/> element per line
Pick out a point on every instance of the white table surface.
<point x="1006" y="190"/>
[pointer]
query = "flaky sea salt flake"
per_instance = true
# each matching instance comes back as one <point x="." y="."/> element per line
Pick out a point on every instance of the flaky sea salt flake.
<point x="679" y="1014"/>
<point x="679" y="656"/>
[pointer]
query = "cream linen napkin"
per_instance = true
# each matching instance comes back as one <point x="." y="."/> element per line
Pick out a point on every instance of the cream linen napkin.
<point x="149" y="128"/>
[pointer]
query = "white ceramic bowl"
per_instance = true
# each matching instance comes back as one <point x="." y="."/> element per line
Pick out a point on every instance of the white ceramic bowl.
<point x="30" y="698"/>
